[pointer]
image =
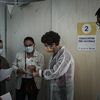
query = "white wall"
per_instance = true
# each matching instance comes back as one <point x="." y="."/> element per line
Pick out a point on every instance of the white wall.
<point x="32" y="20"/>
<point x="62" y="16"/>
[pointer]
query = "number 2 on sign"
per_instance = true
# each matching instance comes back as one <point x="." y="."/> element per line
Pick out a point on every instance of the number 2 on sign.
<point x="86" y="28"/>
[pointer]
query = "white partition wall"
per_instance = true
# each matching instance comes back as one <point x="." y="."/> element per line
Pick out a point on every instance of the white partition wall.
<point x="31" y="20"/>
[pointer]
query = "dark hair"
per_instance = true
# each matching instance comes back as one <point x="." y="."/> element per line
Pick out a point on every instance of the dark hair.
<point x="97" y="13"/>
<point x="0" y="41"/>
<point x="29" y="38"/>
<point x="50" y="38"/>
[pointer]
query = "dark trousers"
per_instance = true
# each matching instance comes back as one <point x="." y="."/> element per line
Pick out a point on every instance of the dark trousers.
<point x="21" y="96"/>
<point x="28" y="87"/>
<point x="2" y="87"/>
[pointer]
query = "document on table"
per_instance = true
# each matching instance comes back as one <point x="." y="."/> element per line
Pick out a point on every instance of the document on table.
<point x="5" y="73"/>
<point x="6" y="96"/>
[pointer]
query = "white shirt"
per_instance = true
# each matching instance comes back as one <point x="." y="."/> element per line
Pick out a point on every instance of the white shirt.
<point x="37" y="60"/>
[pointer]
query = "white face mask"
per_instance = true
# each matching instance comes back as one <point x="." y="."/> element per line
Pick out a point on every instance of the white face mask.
<point x="98" y="24"/>
<point x="1" y="50"/>
<point x="29" y="49"/>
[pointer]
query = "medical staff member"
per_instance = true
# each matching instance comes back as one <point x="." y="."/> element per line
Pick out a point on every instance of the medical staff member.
<point x="60" y="70"/>
<point x="98" y="17"/>
<point x="25" y="62"/>
<point x="97" y="14"/>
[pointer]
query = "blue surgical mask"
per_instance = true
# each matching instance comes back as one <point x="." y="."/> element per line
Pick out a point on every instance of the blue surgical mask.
<point x="1" y="51"/>
<point x="98" y="24"/>
<point x="29" y="49"/>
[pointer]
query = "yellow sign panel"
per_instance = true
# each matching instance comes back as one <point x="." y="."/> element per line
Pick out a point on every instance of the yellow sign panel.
<point x="88" y="28"/>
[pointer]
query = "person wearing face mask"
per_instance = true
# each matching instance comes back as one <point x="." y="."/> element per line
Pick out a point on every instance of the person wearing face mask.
<point x="98" y="17"/>
<point x="24" y="65"/>
<point x="3" y="65"/>
<point x="60" y="71"/>
<point x="97" y="14"/>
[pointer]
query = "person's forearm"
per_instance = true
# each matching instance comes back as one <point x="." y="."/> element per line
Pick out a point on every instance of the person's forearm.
<point x="40" y="73"/>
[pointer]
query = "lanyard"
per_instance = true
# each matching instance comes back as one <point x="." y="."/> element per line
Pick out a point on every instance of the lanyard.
<point x="25" y="61"/>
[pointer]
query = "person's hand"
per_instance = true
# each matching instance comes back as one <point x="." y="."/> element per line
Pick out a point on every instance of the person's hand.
<point x="35" y="73"/>
<point x="20" y="71"/>
<point x="8" y="78"/>
<point x="32" y="68"/>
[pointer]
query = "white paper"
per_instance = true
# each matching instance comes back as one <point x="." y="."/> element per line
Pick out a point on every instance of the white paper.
<point x="5" y="73"/>
<point x="6" y="96"/>
<point x="87" y="43"/>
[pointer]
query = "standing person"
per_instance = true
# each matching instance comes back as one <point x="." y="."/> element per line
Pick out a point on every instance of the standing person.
<point x="60" y="70"/>
<point x="3" y="65"/>
<point x="97" y="14"/>
<point x="24" y="64"/>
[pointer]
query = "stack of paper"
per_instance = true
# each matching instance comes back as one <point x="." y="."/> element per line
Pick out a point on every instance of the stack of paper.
<point x="6" y="96"/>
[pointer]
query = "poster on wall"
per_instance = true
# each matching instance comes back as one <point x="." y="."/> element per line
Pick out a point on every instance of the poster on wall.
<point x="86" y="36"/>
